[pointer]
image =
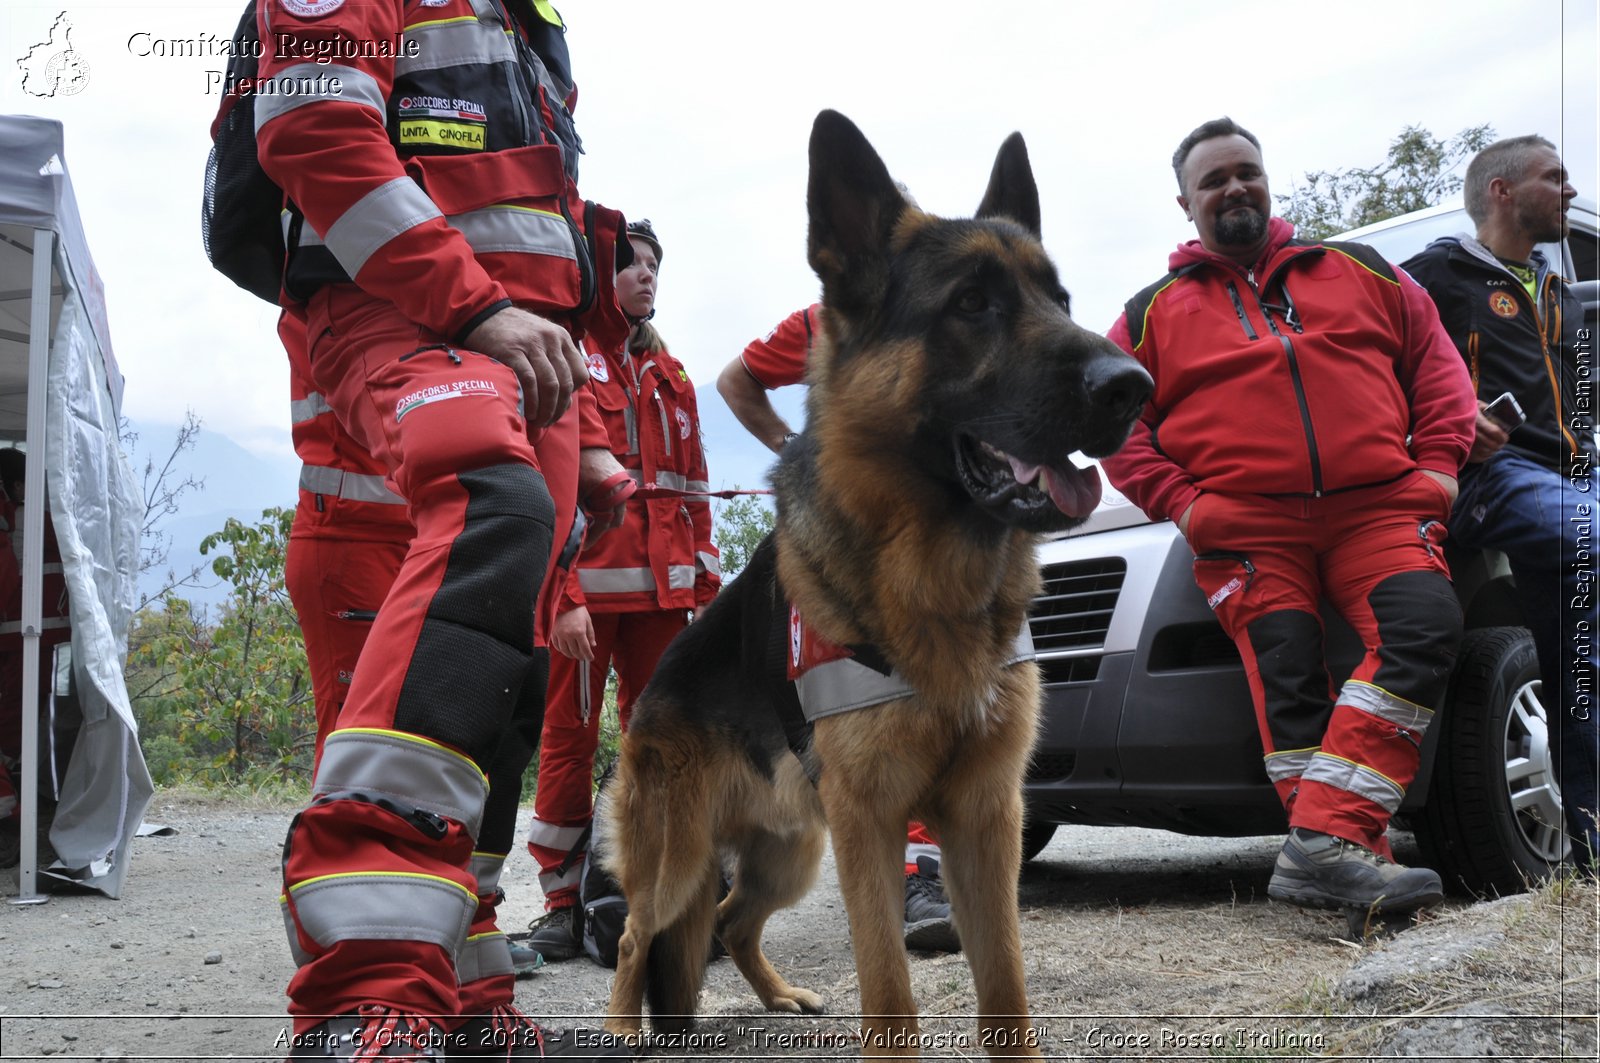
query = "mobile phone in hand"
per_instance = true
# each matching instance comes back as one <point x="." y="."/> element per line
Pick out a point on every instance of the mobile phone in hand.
<point x="1505" y="411"/>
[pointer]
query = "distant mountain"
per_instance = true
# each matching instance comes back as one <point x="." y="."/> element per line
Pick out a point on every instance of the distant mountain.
<point x="241" y="484"/>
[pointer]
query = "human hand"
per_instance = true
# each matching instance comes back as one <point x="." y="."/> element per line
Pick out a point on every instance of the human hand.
<point x="573" y="635"/>
<point x="1491" y="436"/>
<point x="596" y="465"/>
<point x="547" y="363"/>
<point x="1451" y="488"/>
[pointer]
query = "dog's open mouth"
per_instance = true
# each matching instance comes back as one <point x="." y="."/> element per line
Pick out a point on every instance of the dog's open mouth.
<point x="999" y="480"/>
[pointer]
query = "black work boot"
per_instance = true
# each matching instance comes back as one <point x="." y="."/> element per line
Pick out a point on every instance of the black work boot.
<point x="1317" y="870"/>
<point x="557" y="934"/>
<point x="505" y="1033"/>
<point x="372" y="1032"/>
<point x="929" y="926"/>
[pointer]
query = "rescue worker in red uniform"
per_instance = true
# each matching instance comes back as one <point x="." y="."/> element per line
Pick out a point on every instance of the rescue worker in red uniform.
<point x="444" y="265"/>
<point x="778" y="360"/>
<point x="1336" y="485"/>
<point x="631" y="592"/>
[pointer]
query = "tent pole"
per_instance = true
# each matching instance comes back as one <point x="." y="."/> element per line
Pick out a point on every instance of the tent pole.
<point x="33" y="562"/>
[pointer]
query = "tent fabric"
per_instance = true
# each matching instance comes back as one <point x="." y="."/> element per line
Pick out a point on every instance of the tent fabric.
<point x="95" y="501"/>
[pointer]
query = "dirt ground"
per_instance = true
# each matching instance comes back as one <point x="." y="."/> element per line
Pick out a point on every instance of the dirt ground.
<point x="1138" y="944"/>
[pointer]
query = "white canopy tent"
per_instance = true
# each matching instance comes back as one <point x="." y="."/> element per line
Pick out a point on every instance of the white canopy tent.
<point x="60" y="393"/>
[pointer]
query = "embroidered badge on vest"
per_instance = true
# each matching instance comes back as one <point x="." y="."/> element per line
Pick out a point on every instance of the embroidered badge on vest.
<point x="312" y="8"/>
<point x="597" y="368"/>
<point x="1503" y="304"/>
<point x="683" y="425"/>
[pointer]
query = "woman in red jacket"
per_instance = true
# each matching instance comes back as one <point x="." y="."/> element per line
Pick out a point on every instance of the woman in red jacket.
<point x="634" y="589"/>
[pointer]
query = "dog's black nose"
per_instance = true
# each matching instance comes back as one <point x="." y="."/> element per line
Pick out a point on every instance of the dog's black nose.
<point x="1117" y="385"/>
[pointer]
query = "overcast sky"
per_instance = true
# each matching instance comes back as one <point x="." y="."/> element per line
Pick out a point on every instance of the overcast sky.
<point x="696" y="116"/>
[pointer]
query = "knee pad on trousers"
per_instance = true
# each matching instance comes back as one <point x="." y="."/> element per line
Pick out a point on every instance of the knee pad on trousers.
<point x="473" y="652"/>
<point x="1419" y="629"/>
<point x="1294" y="676"/>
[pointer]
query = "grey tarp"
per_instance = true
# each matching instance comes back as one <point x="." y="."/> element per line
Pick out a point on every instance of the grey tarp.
<point x="69" y="414"/>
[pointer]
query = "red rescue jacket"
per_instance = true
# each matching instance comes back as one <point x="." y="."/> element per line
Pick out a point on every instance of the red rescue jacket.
<point x="662" y="557"/>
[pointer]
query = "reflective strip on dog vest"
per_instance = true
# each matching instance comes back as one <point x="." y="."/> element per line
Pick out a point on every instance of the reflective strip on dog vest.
<point x="628" y="580"/>
<point x="1384" y="705"/>
<point x="1290" y="764"/>
<point x="846" y="685"/>
<point x="355" y="486"/>
<point x="486" y="955"/>
<point x="1355" y="778"/>
<point x="407" y="768"/>
<point x="383" y="906"/>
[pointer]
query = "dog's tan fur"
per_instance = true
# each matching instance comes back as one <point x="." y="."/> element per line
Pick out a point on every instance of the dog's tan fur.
<point x="872" y="550"/>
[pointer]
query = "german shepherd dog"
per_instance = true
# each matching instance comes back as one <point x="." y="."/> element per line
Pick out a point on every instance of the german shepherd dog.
<point x="948" y="387"/>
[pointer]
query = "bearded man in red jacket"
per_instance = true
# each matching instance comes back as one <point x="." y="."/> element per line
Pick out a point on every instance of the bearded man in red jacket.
<point x="1309" y="420"/>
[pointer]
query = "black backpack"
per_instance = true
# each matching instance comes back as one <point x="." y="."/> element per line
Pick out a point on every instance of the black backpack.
<point x="240" y="214"/>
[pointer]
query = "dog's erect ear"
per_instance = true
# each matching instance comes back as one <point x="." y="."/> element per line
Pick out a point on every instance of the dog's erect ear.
<point x="853" y="206"/>
<point x="1012" y="192"/>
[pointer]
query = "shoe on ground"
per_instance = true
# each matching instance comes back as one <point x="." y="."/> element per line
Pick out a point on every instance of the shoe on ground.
<point x="372" y="1032"/>
<point x="506" y="1033"/>
<point x="929" y="926"/>
<point x="557" y="935"/>
<point x="525" y="961"/>
<point x="1317" y="870"/>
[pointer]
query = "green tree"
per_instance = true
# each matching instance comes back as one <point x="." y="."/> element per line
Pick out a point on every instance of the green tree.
<point x="738" y="526"/>
<point x="237" y="697"/>
<point x="1419" y="172"/>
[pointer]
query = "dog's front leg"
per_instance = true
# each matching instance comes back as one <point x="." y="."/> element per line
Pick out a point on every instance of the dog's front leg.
<point x="869" y="848"/>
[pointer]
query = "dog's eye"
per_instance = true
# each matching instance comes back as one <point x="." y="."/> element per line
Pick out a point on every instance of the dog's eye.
<point x="972" y="301"/>
<point x="1065" y="300"/>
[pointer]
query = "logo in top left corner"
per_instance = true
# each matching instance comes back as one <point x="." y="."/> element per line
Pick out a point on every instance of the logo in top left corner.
<point x="53" y="67"/>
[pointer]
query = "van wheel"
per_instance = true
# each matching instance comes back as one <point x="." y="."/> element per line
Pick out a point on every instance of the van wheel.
<point x="1493" y="821"/>
<point x="1035" y="836"/>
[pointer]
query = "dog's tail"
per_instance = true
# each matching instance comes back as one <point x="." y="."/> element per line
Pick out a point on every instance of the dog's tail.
<point x="676" y="966"/>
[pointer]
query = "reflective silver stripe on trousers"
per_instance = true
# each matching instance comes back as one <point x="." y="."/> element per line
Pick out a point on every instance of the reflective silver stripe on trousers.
<point x="1357" y="779"/>
<point x="552" y="880"/>
<point x="708" y="562"/>
<point x="456" y="43"/>
<point x="300" y="956"/>
<point x="916" y="849"/>
<point x="308" y="409"/>
<point x="307" y="83"/>
<point x="1384" y="705"/>
<point x="549" y="836"/>
<point x="486" y="868"/>
<point x="1291" y="764"/>
<point x="409" y="769"/>
<point x="384" y="906"/>
<point x="846" y="685"/>
<point x="484" y="956"/>
<point x="358" y="487"/>
<point x="393" y="208"/>
<point x="627" y="580"/>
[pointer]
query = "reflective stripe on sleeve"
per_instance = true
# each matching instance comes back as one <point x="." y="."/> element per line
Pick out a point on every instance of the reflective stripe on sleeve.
<point x="308" y="409"/>
<point x="306" y="83"/>
<point x="393" y="208"/>
<point x="708" y="562"/>
<point x="406" y="767"/>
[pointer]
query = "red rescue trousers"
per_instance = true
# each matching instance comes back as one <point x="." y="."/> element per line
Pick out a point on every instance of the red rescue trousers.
<point x="1341" y="761"/>
<point x="631" y="643"/>
<point x="390" y="874"/>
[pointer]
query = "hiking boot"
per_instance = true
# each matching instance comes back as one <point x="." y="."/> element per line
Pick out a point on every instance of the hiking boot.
<point x="525" y="961"/>
<point x="929" y="926"/>
<point x="506" y="1033"/>
<point x="1321" y="871"/>
<point x="557" y="934"/>
<point x="371" y="1032"/>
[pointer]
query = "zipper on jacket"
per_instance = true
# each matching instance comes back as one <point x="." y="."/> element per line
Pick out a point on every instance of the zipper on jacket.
<point x="1300" y="399"/>
<point x="1238" y="308"/>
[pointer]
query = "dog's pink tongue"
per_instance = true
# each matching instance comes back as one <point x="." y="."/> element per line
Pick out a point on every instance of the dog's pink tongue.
<point x="1075" y="491"/>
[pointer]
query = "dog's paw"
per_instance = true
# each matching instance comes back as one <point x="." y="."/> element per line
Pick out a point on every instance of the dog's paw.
<point x="796" y="1002"/>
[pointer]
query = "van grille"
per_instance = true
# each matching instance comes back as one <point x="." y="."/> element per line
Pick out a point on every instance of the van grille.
<point x="1074" y="610"/>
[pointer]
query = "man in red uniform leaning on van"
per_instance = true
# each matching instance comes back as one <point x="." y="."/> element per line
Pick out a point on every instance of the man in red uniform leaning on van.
<point x="1309" y="419"/>
<point x="429" y="163"/>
